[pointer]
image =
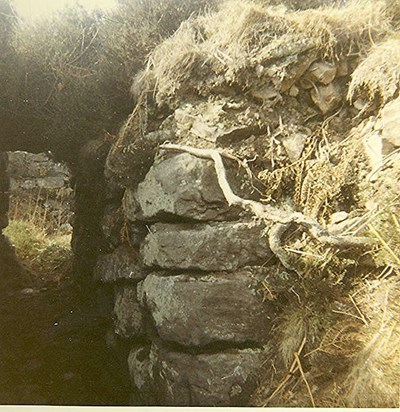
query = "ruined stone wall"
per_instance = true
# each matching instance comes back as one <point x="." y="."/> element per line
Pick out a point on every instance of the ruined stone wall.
<point x="186" y="276"/>
<point x="36" y="170"/>
<point x="189" y="276"/>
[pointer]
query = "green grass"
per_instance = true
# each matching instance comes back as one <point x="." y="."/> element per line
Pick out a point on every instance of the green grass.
<point x="47" y="257"/>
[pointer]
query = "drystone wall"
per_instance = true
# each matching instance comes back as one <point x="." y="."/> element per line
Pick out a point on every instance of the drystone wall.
<point x="189" y="275"/>
<point x="36" y="170"/>
<point x="186" y="276"/>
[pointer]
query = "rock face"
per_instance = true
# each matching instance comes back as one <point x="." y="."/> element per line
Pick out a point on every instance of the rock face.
<point x="139" y="367"/>
<point x="183" y="186"/>
<point x="327" y="98"/>
<point x="212" y="247"/>
<point x="123" y="263"/>
<point x="197" y="310"/>
<point x="322" y="72"/>
<point x="390" y="122"/>
<point x="226" y="378"/>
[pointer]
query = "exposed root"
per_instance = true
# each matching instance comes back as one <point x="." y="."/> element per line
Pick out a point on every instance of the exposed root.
<point x="280" y="217"/>
<point x="277" y="246"/>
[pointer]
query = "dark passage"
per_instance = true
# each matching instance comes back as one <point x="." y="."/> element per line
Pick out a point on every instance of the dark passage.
<point x="52" y="336"/>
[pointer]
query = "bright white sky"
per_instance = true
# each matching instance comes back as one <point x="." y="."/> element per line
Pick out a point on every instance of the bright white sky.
<point x="35" y="9"/>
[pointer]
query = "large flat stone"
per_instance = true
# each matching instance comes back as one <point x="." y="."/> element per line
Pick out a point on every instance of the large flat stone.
<point x="179" y="379"/>
<point x="183" y="186"/>
<point x="210" y="247"/>
<point x="128" y="318"/>
<point x="123" y="263"/>
<point x="199" y="310"/>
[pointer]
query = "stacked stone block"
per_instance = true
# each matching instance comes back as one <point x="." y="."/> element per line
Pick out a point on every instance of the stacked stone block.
<point x="187" y="288"/>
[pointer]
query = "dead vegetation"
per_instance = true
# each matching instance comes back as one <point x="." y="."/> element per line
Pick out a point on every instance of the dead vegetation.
<point x="233" y="46"/>
<point x="378" y="75"/>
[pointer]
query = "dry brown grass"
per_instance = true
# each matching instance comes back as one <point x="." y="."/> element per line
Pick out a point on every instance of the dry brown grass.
<point x="354" y="363"/>
<point x="48" y="209"/>
<point x="379" y="74"/>
<point x="237" y="43"/>
<point x="374" y="375"/>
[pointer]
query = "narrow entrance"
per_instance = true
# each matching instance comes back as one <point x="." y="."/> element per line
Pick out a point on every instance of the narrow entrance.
<point x="52" y="344"/>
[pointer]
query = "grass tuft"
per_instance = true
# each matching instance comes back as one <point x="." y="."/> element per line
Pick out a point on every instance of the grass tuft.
<point x="379" y="74"/>
<point x="234" y="45"/>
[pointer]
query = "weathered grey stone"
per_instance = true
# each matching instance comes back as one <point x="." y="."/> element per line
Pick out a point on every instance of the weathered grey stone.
<point x="322" y="72"/>
<point x="327" y="98"/>
<point x="123" y="263"/>
<point x="296" y="70"/>
<point x="222" y="119"/>
<point x="390" y="122"/>
<point x="222" y="379"/>
<point x="50" y="182"/>
<point x="140" y="370"/>
<point x="338" y="217"/>
<point x="128" y="318"/>
<point x="294" y="91"/>
<point x="183" y="186"/>
<point x="200" y="310"/>
<point x="29" y="170"/>
<point x="211" y="247"/>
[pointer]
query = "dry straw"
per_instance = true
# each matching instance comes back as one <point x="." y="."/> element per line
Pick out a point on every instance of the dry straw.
<point x="234" y="44"/>
<point x="379" y="74"/>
